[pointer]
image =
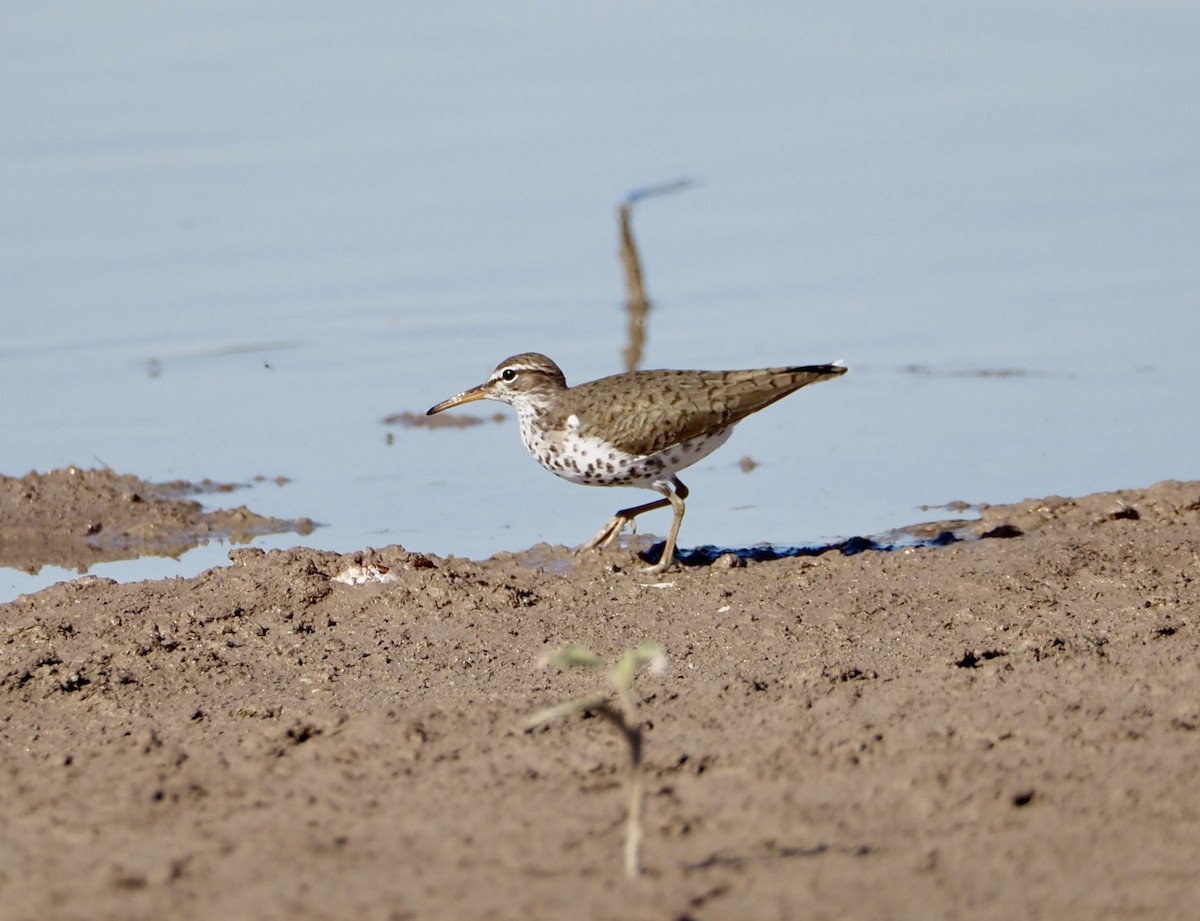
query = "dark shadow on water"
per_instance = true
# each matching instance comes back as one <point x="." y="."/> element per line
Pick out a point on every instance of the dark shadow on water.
<point x="559" y="559"/>
<point x="706" y="555"/>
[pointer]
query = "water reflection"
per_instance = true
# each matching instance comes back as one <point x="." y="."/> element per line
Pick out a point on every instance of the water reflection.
<point x="637" y="303"/>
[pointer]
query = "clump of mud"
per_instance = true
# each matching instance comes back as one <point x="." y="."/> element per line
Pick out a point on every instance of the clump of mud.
<point x="76" y="518"/>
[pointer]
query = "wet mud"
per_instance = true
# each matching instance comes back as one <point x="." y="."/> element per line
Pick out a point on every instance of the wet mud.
<point x="1002" y="725"/>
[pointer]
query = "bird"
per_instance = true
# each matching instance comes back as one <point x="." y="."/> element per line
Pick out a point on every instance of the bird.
<point x="638" y="428"/>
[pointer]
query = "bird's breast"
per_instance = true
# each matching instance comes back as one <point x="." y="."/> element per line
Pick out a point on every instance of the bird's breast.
<point x="571" y="452"/>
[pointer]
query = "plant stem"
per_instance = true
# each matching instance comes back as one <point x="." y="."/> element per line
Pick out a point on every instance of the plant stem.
<point x="633" y="825"/>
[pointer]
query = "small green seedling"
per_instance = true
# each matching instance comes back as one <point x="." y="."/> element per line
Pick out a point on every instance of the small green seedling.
<point x="622" y="716"/>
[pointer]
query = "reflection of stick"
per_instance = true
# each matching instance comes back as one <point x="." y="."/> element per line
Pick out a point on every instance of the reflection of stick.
<point x="664" y="188"/>
<point x="636" y="301"/>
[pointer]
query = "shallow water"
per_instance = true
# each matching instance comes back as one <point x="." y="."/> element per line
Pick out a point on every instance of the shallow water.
<point x="236" y="239"/>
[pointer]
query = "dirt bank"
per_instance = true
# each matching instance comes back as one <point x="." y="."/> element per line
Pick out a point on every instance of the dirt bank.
<point x="76" y="518"/>
<point x="1001" y="727"/>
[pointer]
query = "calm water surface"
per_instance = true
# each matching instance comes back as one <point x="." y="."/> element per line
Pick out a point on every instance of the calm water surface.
<point x="236" y="237"/>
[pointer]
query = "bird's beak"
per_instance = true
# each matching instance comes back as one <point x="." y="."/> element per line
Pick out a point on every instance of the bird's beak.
<point x="467" y="396"/>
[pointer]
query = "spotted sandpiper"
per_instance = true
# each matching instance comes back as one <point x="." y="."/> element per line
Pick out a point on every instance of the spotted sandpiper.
<point x="634" y="429"/>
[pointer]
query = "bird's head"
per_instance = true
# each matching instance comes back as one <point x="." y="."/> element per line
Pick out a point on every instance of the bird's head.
<point x="528" y="379"/>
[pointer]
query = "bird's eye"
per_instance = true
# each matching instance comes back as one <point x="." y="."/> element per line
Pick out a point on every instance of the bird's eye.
<point x="508" y="374"/>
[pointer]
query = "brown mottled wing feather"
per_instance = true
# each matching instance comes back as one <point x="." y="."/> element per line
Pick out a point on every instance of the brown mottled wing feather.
<point x="673" y="406"/>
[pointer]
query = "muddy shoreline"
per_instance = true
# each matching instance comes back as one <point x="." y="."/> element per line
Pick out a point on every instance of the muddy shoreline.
<point x="998" y="727"/>
<point x="75" y="518"/>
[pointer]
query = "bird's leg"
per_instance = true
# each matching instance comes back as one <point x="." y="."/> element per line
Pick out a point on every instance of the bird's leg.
<point x="675" y="499"/>
<point x="616" y="525"/>
<point x="667" y="560"/>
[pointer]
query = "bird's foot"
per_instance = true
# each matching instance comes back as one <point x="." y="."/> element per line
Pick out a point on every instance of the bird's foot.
<point x="664" y="564"/>
<point x="610" y="532"/>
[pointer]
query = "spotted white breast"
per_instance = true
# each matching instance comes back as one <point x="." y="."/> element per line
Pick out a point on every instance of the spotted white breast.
<point x="591" y="461"/>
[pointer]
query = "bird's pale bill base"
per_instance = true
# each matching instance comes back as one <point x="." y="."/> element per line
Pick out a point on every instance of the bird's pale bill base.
<point x="467" y="396"/>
